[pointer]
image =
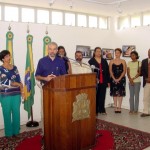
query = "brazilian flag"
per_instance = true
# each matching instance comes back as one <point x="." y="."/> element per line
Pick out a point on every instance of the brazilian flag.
<point x="29" y="82"/>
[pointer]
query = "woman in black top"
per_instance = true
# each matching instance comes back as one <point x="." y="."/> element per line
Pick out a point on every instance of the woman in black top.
<point x="103" y="78"/>
<point x="62" y="53"/>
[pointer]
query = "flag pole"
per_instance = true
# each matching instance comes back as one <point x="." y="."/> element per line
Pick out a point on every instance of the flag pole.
<point x="29" y="82"/>
<point x="32" y="123"/>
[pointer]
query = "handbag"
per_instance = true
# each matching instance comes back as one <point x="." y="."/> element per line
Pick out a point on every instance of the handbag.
<point x="138" y="70"/>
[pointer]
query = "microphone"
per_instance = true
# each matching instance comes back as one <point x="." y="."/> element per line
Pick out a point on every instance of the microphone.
<point x="93" y="67"/>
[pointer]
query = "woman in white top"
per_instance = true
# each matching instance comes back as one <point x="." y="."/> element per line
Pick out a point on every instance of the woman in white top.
<point x="133" y="72"/>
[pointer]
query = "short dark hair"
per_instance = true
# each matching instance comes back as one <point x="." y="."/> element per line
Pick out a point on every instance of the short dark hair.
<point x="3" y="53"/>
<point x="118" y="49"/>
<point x="95" y="50"/>
<point x="135" y="53"/>
<point x="78" y="52"/>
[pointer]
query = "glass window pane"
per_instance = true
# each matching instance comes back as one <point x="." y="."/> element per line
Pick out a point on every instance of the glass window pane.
<point x="11" y="13"/>
<point x="69" y="19"/>
<point x="146" y="18"/>
<point x="43" y="16"/>
<point x="92" y="21"/>
<point x="82" y="21"/>
<point x="135" y="20"/>
<point x="123" y="22"/>
<point x="103" y="23"/>
<point x="57" y="17"/>
<point x="28" y="15"/>
<point x="0" y="13"/>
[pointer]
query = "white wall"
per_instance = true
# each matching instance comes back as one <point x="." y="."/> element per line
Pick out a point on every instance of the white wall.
<point x="70" y="37"/>
<point x="63" y="35"/>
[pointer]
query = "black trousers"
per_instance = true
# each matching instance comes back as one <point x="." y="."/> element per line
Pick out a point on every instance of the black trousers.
<point x="100" y="98"/>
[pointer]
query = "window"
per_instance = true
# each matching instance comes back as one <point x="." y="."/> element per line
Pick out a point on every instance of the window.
<point x="28" y="15"/>
<point x="57" y="17"/>
<point x="43" y="16"/>
<point x="103" y="22"/>
<point x="92" y="21"/>
<point x="11" y="13"/>
<point x="146" y="18"/>
<point x="69" y="19"/>
<point x="82" y="21"/>
<point x="135" y="20"/>
<point x="123" y="22"/>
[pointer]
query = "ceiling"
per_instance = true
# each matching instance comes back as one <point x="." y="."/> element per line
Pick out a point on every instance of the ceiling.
<point x="93" y="7"/>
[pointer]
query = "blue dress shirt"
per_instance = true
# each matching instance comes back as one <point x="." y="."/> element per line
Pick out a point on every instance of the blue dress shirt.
<point x="46" y="66"/>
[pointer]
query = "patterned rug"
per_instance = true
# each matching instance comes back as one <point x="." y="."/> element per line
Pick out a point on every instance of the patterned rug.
<point x="124" y="138"/>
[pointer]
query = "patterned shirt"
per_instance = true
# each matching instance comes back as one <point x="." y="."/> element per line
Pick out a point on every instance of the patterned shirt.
<point x="6" y="78"/>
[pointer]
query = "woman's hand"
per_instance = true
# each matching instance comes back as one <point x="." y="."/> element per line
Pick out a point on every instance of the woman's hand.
<point x="131" y="81"/>
<point x="116" y="80"/>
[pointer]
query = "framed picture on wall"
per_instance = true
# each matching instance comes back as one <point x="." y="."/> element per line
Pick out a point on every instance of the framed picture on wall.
<point x="85" y="50"/>
<point x="92" y="51"/>
<point x="127" y="49"/>
<point x="108" y="53"/>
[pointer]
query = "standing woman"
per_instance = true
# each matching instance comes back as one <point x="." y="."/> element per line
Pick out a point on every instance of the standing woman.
<point x="117" y="69"/>
<point x="133" y="72"/>
<point x="11" y="90"/>
<point x="103" y="78"/>
<point x="62" y="53"/>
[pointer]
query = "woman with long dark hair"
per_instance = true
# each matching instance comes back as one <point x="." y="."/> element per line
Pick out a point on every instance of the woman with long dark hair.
<point x="103" y="78"/>
<point x="62" y="53"/>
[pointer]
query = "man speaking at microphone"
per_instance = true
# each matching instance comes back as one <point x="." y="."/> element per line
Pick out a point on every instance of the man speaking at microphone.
<point x="50" y="66"/>
<point x="78" y="66"/>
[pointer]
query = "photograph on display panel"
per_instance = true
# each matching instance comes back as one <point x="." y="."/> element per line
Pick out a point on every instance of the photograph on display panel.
<point x="108" y="53"/>
<point x="85" y="50"/>
<point x="92" y="51"/>
<point x="127" y="49"/>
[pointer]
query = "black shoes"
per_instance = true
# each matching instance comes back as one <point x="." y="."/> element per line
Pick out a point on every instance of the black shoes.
<point x="117" y="111"/>
<point x="144" y="115"/>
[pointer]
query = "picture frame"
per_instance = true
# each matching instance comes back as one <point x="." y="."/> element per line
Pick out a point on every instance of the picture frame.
<point x="92" y="51"/>
<point x="127" y="49"/>
<point x="107" y="53"/>
<point x="85" y="50"/>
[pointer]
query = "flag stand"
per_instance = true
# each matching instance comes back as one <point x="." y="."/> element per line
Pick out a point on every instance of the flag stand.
<point x="32" y="123"/>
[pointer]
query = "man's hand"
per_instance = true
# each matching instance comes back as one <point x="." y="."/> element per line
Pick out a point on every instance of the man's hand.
<point x="49" y="77"/>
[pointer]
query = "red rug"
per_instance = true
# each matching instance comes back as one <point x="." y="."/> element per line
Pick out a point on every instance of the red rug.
<point x="105" y="141"/>
<point x="33" y="143"/>
<point x="125" y="138"/>
<point x="109" y="136"/>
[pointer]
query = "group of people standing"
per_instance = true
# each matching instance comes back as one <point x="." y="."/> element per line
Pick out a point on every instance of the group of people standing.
<point x="113" y="76"/>
<point x="57" y="63"/>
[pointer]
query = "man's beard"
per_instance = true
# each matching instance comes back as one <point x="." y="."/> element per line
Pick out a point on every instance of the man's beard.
<point x="78" y="59"/>
<point x="52" y="55"/>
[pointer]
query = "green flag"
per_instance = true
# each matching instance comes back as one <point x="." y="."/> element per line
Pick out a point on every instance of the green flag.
<point x="46" y="41"/>
<point x="9" y="44"/>
<point x="29" y="78"/>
